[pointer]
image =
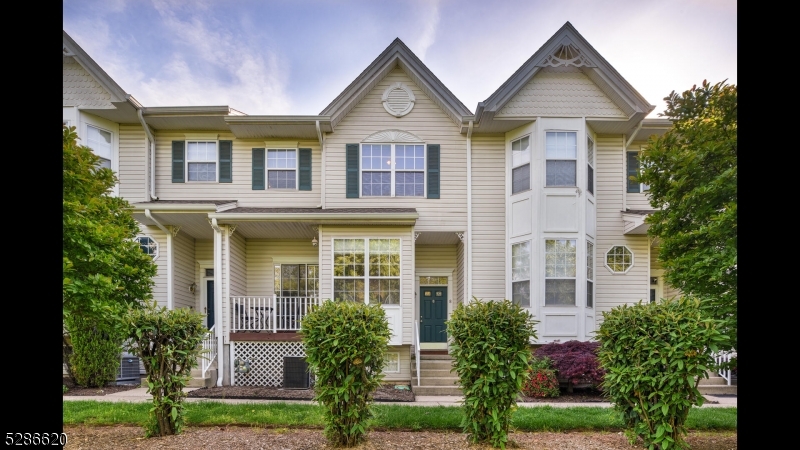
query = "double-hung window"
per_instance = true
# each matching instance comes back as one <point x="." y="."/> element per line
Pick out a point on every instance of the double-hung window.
<point x="560" y="272"/>
<point x="366" y="270"/>
<point x="281" y="168"/>
<point x="521" y="274"/>
<point x="392" y="170"/>
<point x="590" y="165"/>
<point x="632" y="171"/>
<point x="561" y="152"/>
<point x="297" y="280"/>
<point x="521" y="165"/>
<point x="589" y="274"/>
<point x="201" y="160"/>
<point x="99" y="141"/>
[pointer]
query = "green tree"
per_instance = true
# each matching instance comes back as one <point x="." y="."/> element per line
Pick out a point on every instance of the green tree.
<point x="692" y="173"/>
<point x="104" y="270"/>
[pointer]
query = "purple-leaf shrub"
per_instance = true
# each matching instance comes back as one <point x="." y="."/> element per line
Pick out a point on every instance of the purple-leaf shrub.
<point x="575" y="361"/>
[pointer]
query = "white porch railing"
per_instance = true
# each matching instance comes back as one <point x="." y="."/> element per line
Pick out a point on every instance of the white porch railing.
<point x="269" y="313"/>
<point x="724" y="357"/>
<point x="416" y="347"/>
<point x="209" y="350"/>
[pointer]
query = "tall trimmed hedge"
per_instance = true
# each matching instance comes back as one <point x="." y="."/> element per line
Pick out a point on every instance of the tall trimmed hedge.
<point x="654" y="355"/>
<point x="491" y="351"/>
<point x="346" y="345"/>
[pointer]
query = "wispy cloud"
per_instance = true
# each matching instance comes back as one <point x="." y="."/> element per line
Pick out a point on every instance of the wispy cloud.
<point x="429" y="12"/>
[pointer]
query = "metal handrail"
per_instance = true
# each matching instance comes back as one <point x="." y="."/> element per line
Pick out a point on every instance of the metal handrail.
<point x="416" y="347"/>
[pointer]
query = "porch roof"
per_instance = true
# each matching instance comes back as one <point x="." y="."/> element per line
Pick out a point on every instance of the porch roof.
<point x="634" y="220"/>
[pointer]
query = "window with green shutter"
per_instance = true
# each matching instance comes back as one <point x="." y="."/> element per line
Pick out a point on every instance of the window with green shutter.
<point x="351" y="161"/>
<point x="225" y="161"/>
<point x="178" y="160"/>
<point x="304" y="169"/>
<point x="392" y="170"/>
<point x="258" y="169"/>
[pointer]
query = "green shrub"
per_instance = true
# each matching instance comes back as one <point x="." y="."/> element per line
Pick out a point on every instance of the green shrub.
<point x="168" y="342"/>
<point x="345" y="347"/>
<point x="542" y="381"/>
<point x="95" y="354"/>
<point x="491" y="351"/>
<point x="654" y="355"/>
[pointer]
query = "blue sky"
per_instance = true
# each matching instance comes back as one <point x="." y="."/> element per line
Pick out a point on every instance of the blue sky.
<point x="295" y="56"/>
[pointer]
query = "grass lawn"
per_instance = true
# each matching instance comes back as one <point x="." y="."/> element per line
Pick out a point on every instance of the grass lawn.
<point x="386" y="417"/>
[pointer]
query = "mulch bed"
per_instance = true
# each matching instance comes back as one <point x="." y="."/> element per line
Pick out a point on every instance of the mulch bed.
<point x="73" y="389"/>
<point x="386" y="393"/>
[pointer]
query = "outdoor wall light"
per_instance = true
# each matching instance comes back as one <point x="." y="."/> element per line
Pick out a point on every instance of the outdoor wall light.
<point x="314" y="241"/>
<point x="193" y="288"/>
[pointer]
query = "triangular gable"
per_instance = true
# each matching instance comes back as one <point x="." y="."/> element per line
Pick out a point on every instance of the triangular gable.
<point x="567" y="51"/>
<point x="72" y="49"/>
<point x="397" y="54"/>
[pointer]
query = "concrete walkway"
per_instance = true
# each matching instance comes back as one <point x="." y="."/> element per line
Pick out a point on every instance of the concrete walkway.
<point x="141" y="395"/>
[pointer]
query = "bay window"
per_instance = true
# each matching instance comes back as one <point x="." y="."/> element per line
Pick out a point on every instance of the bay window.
<point x="560" y="272"/>
<point x="561" y="152"/>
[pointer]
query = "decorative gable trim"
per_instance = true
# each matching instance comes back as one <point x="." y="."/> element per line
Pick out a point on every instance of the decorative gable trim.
<point x="398" y="100"/>
<point x="392" y="136"/>
<point x="566" y="54"/>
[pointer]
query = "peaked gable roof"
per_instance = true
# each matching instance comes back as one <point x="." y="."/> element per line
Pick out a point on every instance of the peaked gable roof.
<point x="567" y="48"/>
<point x="397" y="54"/>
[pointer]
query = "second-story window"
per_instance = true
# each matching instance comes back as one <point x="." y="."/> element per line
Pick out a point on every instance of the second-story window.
<point x="520" y="165"/>
<point x="561" y="151"/>
<point x="281" y="168"/>
<point x="392" y="170"/>
<point x="100" y="142"/>
<point x="201" y="161"/>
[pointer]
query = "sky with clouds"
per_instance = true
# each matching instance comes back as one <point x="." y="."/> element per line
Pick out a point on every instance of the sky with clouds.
<point x="293" y="57"/>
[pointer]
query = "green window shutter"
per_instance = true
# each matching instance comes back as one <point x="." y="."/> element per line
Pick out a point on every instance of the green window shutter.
<point x="433" y="170"/>
<point x="225" y="161"/>
<point x="178" y="161"/>
<point x="258" y="169"/>
<point x="352" y="170"/>
<point x="633" y="171"/>
<point x="304" y="170"/>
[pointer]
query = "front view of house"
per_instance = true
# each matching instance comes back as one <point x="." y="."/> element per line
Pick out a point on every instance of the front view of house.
<point x="395" y="194"/>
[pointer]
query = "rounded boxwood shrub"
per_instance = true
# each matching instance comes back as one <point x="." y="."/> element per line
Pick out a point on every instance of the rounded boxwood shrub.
<point x="491" y="355"/>
<point x="345" y="346"/>
<point x="575" y="362"/>
<point x="654" y="355"/>
<point x="542" y="381"/>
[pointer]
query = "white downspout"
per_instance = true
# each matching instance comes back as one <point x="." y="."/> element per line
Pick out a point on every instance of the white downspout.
<point x="152" y="155"/>
<point x="218" y="296"/>
<point x="321" y="138"/>
<point x="469" y="213"/>
<point x="169" y="256"/>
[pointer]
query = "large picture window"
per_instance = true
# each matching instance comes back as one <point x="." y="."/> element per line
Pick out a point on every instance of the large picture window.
<point x="366" y="270"/>
<point x="521" y="274"/>
<point x="561" y="151"/>
<point x="560" y="272"/>
<point x="392" y="170"/>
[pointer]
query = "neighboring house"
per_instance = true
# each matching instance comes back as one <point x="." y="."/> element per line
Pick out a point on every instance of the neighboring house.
<point x="396" y="193"/>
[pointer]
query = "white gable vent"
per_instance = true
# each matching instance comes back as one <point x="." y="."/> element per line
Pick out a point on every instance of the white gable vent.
<point x="398" y="100"/>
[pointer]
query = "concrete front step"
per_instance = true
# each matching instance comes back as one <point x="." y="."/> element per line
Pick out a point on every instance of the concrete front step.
<point x="425" y="373"/>
<point x="433" y="364"/>
<point x="713" y="381"/>
<point x="436" y="390"/>
<point x="198" y="380"/>
<point x="436" y="381"/>
<point x="717" y="390"/>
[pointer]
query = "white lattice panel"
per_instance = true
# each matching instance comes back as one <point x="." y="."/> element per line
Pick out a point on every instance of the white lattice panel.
<point x="266" y="361"/>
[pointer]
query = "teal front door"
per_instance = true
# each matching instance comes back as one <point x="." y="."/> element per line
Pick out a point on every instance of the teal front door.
<point x="210" y="303"/>
<point x="433" y="313"/>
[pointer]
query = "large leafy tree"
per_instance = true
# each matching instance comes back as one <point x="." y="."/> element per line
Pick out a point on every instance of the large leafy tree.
<point x="692" y="173"/>
<point x="104" y="269"/>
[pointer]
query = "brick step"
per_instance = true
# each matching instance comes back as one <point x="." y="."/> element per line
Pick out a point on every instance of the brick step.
<point x="436" y="390"/>
<point x="436" y="381"/>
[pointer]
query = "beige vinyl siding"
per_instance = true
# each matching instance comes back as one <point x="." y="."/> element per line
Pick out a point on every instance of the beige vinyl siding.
<point x="488" y="218"/>
<point x="405" y="366"/>
<point x="263" y="254"/>
<point x="655" y="264"/>
<point x="561" y="91"/>
<point x="183" y="271"/>
<point x="436" y="257"/>
<point x="328" y="233"/>
<point x="81" y="89"/>
<point x="238" y="256"/>
<point x="428" y="122"/>
<point x="203" y="251"/>
<point x="612" y="290"/>
<point x="160" y="280"/>
<point x="132" y="163"/>
<point x="241" y="188"/>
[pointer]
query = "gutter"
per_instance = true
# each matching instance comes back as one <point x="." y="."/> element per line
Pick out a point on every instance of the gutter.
<point x="218" y="295"/>
<point x="169" y="256"/>
<point x="152" y="155"/>
<point x="177" y="207"/>
<point x="469" y="212"/>
<point x="320" y="217"/>
<point x="633" y="135"/>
